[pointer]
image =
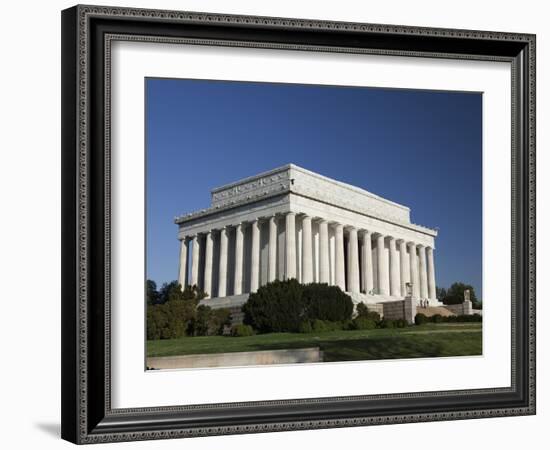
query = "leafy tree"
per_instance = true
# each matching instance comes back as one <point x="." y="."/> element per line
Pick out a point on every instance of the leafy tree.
<point x="458" y="288"/>
<point x="209" y="322"/>
<point x="455" y="295"/>
<point x="440" y="292"/>
<point x="172" y="312"/>
<point x="173" y="291"/>
<point x="152" y="293"/>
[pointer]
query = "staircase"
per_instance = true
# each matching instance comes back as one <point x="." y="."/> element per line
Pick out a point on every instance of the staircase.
<point x="433" y="310"/>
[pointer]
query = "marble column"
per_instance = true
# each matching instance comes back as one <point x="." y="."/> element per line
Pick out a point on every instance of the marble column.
<point x="340" y="277"/>
<point x="196" y="249"/>
<point x="395" y="281"/>
<point x="307" y="251"/>
<point x="222" y="274"/>
<point x="255" y="257"/>
<point x="324" y="253"/>
<point x="182" y="276"/>
<point x="405" y="267"/>
<point x="431" y="274"/>
<point x="272" y="249"/>
<point x="423" y="272"/>
<point x="290" y="253"/>
<point x="383" y="275"/>
<point x="239" y="259"/>
<point x="366" y="260"/>
<point x="208" y="265"/>
<point x="353" y="268"/>
<point x="413" y="263"/>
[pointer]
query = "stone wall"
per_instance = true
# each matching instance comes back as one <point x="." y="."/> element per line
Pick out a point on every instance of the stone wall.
<point x="259" y="358"/>
<point x="399" y="309"/>
<point x="376" y="307"/>
<point x="462" y="309"/>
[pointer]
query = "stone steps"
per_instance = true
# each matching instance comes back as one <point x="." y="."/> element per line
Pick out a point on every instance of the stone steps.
<point x="433" y="310"/>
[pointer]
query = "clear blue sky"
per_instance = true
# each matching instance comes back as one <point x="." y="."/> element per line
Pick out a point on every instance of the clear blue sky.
<point x="419" y="148"/>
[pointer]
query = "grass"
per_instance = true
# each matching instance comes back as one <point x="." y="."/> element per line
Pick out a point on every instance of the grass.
<point x="429" y="340"/>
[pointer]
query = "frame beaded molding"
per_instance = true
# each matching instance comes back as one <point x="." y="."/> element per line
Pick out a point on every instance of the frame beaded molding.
<point x="87" y="12"/>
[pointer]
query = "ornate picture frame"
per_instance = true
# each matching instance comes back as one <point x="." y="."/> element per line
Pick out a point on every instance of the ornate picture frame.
<point x="87" y="412"/>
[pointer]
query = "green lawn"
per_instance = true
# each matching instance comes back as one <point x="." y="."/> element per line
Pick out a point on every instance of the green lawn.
<point x="429" y="340"/>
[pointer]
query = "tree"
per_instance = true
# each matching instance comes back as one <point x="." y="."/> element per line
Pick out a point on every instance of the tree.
<point x="171" y="313"/>
<point x="455" y="295"/>
<point x="173" y="291"/>
<point x="458" y="288"/>
<point x="440" y="292"/>
<point x="152" y="293"/>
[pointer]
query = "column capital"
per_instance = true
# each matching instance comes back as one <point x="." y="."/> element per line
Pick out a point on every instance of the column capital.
<point x="391" y="238"/>
<point x="401" y="240"/>
<point x="411" y="244"/>
<point x="429" y="249"/>
<point x="365" y="232"/>
<point x="421" y="246"/>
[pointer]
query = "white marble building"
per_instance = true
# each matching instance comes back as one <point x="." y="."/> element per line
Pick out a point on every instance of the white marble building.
<point x="294" y="223"/>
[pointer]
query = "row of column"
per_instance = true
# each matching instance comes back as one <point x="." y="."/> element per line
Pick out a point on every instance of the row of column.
<point x="408" y="261"/>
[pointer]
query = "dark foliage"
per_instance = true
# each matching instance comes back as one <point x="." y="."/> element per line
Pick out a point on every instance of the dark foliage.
<point x="327" y="303"/>
<point x="420" y="319"/>
<point x="285" y="306"/>
<point x="242" y="330"/>
<point x="275" y="307"/>
<point x="363" y="323"/>
<point x="363" y="311"/>
<point x="209" y="322"/>
<point x="172" y="312"/>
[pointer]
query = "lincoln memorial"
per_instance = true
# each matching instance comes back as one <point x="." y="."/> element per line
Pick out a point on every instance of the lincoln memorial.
<point x="293" y="223"/>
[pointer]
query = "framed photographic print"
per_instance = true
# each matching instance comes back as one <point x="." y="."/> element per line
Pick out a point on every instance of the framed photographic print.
<point x="281" y="224"/>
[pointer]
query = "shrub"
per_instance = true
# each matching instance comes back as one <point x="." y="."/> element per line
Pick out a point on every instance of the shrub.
<point x="387" y="323"/>
<point x="276" y="307"/>
<point x="285" y="305"/>
<point x="421" y="319"/>
<point x="401" y="323"/>
<point x="334" y="325"/>
<point x="171" y="312"/>
<point x="472" y="318"/>
<point x="242" y="330"/>
<point x="363" y="311"/>
<point x="305" y="327"/>
<point x="318" y="326"/>
<point x="347" y="325"/>
<point x="325" y="302"/>
<point x="437" y="318"/>
<point x="363" y="323"/>
<point x="170" y="320"/>
<point x="209" y="322"/>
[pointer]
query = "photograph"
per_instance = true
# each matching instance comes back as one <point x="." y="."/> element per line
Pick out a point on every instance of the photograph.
<point x="305" y="223"/>
<point x="297" y="221"/>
